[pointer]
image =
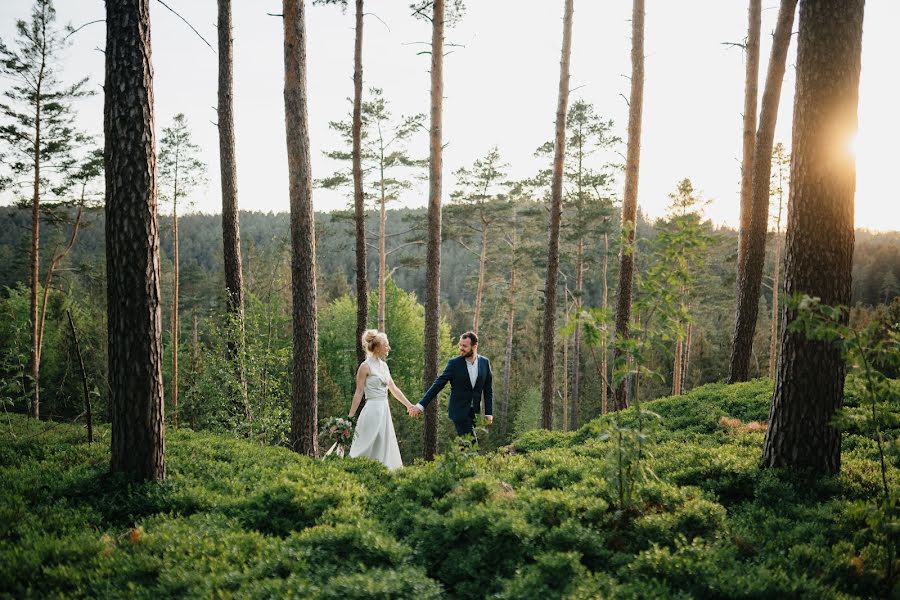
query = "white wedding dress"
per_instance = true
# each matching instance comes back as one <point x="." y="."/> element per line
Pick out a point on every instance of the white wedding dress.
<point x="375" y="437"/>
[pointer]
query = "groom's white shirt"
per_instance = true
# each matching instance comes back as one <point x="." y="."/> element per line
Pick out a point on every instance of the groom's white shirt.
<point x="473" y="376"/>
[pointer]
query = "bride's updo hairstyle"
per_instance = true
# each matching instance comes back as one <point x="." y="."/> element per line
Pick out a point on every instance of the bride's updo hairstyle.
<point x="370" y="340"/>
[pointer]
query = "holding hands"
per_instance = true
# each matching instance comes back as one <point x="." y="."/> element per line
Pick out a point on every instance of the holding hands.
<point x="413" y="410"/>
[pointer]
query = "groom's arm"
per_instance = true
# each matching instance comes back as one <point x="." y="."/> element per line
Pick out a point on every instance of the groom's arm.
<point x="436" y="387"/>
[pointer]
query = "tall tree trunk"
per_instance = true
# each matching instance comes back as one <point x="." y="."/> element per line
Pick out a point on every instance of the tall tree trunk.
<point x="482" y="265"/>
<point x="751" y="87"/>
<point x="88" y="417"/>
<point x="751" y="273"/>
<point x="629" y="203"/>
<point x="303" y="233"/>
<point x="604" y="367"/>
<point x="676" y="368"/>
<point x="433" y="251"/>
<point x="576" y="338"/>
<point x="776" y="284"/>
<point x="34" y="361"/>
<point x="548" y="328"/>
<point x="819" y="245"/>
<point x="132" y="246"/>
<point x="231" y="228"/>
<point x="687" y="356"/>
<point x="507" y="363"/>
<point x="362" y="280"/>
<point x="382" y="252"/>
<point x="175" y="303"/>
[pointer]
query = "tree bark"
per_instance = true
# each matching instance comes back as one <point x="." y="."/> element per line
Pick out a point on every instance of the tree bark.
<point x="382" y="253"/>
<point x="819" y="243"/>
<point x="604" y="367"/>
<point x="751" y="91"/>
<point x="676" y="368"/>
<point x="754" y="259"/>
<point x="88" y="417"/>
<point x="548" y="335"/>
<point x="576" y="338"/>
<point x="510" y="331"/>
<point x="132" y="246"/>
<point x="433" y="248"/>
<point x="776" y="284"/>
<point x="175" y="303"/>
<point x="303" y="243"/>
<point x="482" y="266"/>
<point x="231" y="228"/>
<point x="362" y="281"/>
<point x="34" y="410"/>
<point x="629" y="203"/>
<point x="687" y="356"/>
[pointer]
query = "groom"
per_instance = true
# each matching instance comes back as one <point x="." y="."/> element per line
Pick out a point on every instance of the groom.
<point x="470" y="377"/>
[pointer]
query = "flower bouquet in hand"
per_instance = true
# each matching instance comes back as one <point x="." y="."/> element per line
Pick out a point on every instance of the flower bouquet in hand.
<point x="338" y="433"/>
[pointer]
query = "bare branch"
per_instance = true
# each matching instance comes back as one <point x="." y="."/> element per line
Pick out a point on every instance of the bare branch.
<point x="188" y="24"/>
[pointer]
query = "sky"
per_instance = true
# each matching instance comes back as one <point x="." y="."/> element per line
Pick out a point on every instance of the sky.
<point x="501" y="77"/>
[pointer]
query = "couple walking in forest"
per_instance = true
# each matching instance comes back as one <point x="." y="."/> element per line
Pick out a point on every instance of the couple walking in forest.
<point x="468" y="374"/>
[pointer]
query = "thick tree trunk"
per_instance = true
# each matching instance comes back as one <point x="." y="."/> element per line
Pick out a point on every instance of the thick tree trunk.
<point x="231" y="228"/>
<point x="433" y="251"/>
<point x="548" y="329"/>
<point x="604" y="366"/>
<point x="819" y="245"/>
<point x="754" y="259"/>
<point x="362" y="280"/>
<point x="303" y="231"/>
<point x="629" y="203"/>
<point x="751" y="86"/>
<point x="132" y="246"/>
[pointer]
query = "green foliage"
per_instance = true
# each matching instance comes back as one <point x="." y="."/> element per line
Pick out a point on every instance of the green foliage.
<point x="236" y="518"/>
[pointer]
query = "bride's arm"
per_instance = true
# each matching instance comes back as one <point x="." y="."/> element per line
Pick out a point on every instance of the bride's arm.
<point x="398" y="394"/>
<point x="361" y="375"/>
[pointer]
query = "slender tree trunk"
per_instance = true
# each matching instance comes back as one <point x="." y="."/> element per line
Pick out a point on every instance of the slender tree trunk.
<point x="604" y="367"/>
<point x="175" y="304"/>
<point x="382" y="253"/>
<point x="576" y="338"/>
<point x="89" y="418"/>
<point x="751" y="86"/>
<point x="482" y="266"/>
<point x="433" y="248"/>
<point x="564" y="347"/>
<point x="48" y="280"/>
<point x="507" y="363"/>
<point x="362" y="280"/>
<point x="303" y="232"/>
<point x="687" y="356"/>
<point x="819" y="245"/>
<point x="231" y="228"/>
<point x="751" y="273"/>
<point x="35" y="357"/>
<point x="132" y="246"/>
<point x="776" y="284"/>
<point x="629" y="204"/>
<point x="548" y="335"/>
<point x="676" y="368"/>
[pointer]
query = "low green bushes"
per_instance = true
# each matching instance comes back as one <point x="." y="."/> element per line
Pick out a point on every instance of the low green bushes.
<point x="538" y="519"/>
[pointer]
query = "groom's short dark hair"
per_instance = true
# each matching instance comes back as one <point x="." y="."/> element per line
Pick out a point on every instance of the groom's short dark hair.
<point x="471" y="336"/>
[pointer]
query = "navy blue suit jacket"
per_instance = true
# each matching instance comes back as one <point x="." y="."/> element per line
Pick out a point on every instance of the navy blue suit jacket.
<point x="464" y="397"/>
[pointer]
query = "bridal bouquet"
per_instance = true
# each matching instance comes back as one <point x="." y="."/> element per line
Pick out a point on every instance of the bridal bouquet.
<point x="338" y="432"/>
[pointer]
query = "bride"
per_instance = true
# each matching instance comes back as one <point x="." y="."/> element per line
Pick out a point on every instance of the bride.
<point x="374" y="437"/>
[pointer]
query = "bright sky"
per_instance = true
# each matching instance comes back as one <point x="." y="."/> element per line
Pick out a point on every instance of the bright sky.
<point x="500" y="88"/>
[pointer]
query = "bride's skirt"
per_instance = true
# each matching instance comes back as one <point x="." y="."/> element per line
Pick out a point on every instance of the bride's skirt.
<point x="375" y="437"/>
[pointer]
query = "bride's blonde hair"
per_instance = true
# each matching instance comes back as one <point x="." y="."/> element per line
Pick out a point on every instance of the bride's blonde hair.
<point x="370" y="340"/>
